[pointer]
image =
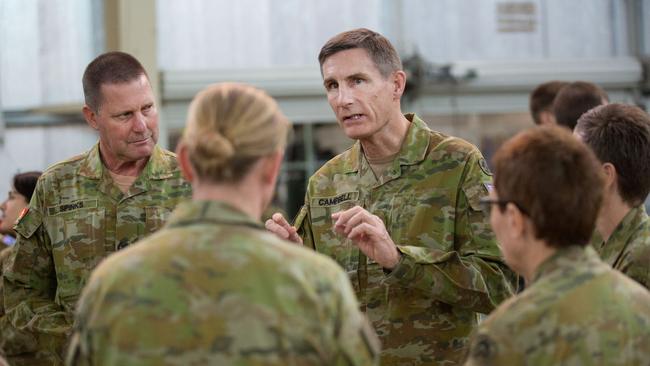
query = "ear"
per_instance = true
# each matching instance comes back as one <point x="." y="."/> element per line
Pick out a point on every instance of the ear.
<point x="184" y="162"/>
<point x="611" y="174"/>
<point x="90" y="116"/>
<point x="271" y="167"/>
<point x="399" y="83"/>
<point x="516" y="221"/>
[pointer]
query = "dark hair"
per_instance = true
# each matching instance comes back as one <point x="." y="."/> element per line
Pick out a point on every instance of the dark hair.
<point x="380" y="50"/>
<point x="620" y="134"/>
<point x="556" y="179"/>
<point x="109" y="68"/>
<point x="25" y="183"/>
<point x="541" y="99"/>
<point x="573" y="100"/>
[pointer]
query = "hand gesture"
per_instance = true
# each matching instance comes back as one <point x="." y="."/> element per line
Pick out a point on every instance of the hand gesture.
<point x="279" y="226"/>
<point x="369" y="233"/>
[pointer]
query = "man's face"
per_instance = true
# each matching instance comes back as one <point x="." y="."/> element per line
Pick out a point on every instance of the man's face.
<point x="127" y="121"/>
<point x="359" y="95"/>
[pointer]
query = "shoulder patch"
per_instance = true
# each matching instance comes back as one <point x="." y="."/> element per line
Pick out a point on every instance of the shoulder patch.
<point x="22" y="214"/>
<point x="483" y="348"/>
<point x="27" y="224"/>
<point x="484" y="167"/>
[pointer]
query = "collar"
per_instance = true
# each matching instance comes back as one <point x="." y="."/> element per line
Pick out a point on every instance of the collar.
<point x="413" y="151"/>
<point x="159" y="166"/>
<point x="565" y="260"/>
<point x="202" y="211"/>
<point x="626" y="227"/>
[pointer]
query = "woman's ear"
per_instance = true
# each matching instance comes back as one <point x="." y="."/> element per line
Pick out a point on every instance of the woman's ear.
<point x="272" y="165"/>
<point x="184" y="162"/>
<point x="516" y="221"/>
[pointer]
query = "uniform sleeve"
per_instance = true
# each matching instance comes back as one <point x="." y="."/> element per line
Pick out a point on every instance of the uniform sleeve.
<point x="355" y="339"/>
<point x="636" y="263"/>
<point x="302" y="223"/>
<point x="33" y="321"/>
<point x="473" y="275"/>
<point x="80" y="351"/>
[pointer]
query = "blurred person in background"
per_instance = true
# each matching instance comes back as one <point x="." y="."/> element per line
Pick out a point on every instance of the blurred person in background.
<point x="576" y="310"/>
<point x="22" y="188"/>
<point x="214" y="287"/>
<point x="619" y="135"/>
<point x="574" y="99"/>
<point x="86" y="208"/>
<point x="541" y="102"/>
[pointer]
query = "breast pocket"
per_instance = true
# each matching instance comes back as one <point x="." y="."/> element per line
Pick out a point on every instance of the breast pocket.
<point x="326" y="240"/>
<point x="155" y="218"/>
<point x="77" y="239"/>
<point x="423" y="218"/>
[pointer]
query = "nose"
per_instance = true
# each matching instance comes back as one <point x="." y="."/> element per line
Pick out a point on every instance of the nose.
<point x="344" y="96"/>
<point x="139" y="123"/>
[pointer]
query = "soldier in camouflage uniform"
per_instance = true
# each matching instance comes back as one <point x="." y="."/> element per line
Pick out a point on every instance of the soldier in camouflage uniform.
<point x="22" y="189"/>
<point x="86" y="208"/>
<point x="620" y="136"/>
<point x="400" y="212"/>
<point x="576" y="310"/>
<point x="213" y="287"/>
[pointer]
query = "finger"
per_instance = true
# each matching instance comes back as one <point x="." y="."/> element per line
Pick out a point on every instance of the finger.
<point x="276" y="229"/>
<point x="363" y="231"/>
<point x="362" y="217"/>
<point x="342" y="217"/>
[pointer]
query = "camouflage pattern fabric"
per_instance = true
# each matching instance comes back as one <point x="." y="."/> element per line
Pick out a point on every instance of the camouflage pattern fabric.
<point x="215" y="288"/>
<point x="628" y="248"/>
<point x="577" y="311"/>
<point x="451" y="267"/>
<point x="77" y="217"/>
<point x="4" y="254"/>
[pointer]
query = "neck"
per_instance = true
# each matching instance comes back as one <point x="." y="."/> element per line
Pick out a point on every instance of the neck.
<point x="612" y="212"/>
<point x="239" y="195"/>
<point x="388" y="140"/>
<point x="538" y="252"/>
<point x="131" y="168"/>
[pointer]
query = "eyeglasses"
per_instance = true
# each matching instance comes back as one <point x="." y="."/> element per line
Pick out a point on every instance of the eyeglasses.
<point x="486" y="205"/>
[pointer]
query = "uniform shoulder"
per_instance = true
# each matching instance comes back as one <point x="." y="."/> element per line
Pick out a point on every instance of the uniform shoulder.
<point x="64" y="167"/>
<point x="442" y="142"/>
<point x="345" y="161"/>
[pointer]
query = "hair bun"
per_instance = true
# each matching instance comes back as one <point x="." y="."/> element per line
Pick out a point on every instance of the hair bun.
<point x="213" y="149"/>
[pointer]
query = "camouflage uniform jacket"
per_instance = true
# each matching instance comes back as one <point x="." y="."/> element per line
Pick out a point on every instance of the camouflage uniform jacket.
<point x="577" y="311"/>
<point x="77" y="217"/>
<point x="4" y="254"/>
<point x="628" y="248"/>
<point x="215" y="288"/>
<point x="451" y="267"/>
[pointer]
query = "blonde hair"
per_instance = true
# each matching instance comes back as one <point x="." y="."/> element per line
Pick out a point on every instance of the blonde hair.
<point x="229" y="127"/>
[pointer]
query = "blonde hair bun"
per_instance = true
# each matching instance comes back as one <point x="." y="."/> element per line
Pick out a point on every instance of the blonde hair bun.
<point x="229" y="127"/>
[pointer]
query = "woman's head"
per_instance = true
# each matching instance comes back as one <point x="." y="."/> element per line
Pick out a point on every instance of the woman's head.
<point x="230" y="126"/>
<point x="22" y="188"/>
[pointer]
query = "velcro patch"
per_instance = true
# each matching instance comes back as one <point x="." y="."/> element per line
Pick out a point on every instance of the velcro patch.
<point x="71" y="206"/>
<point x="334" y="200"/>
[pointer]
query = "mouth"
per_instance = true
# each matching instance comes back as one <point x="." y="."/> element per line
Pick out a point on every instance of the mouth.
<point x="140" y="141"/>
<point x="352" y="118"/>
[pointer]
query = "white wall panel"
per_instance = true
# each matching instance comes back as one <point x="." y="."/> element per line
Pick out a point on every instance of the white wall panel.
<point x="37" y="147"/>
<point x="19" y="57"/>
<point x="44" y="48"/>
